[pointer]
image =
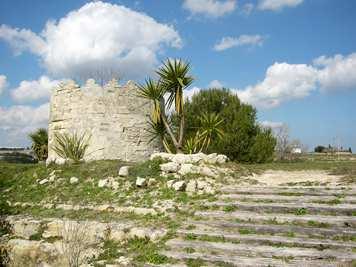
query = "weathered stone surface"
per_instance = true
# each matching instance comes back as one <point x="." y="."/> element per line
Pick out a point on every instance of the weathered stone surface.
<point x="109" y="182"/>
<point x="188" y="168"/>
<point x="114" y="116"/>
<point x="141" y="182"/>
<point x="43" y="181"/>
<point x="24" y="228"/>
<point x="179" y="186"/>
<point x="169" y="167"/>
<point x="191" y="186"/>
<point x="170" y="183"/>
<point x="73" y="180"/>
<point x="124" y="171"/>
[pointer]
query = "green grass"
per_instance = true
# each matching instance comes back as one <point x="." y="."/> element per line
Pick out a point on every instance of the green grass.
<point x="230" y="208"/>
<point x="301" y="211"/>
<point x="146" y="251"/>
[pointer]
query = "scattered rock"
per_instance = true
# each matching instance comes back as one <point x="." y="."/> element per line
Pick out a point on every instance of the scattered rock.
<point x="109" y="182"/>
<point x="141" y="182"/>
<point x="102" y="183"/>
<point x="169" y="167"/>
<point x="191" y="186"/>
<point x="73" y="180"/>
<point x="170" y="183"/>
<point x="123" y="261"/>
<point x="187" y="168"/>
<point x="179" y="186"/>
<point x="43" y="181"/>
<point x="124" y="171"/>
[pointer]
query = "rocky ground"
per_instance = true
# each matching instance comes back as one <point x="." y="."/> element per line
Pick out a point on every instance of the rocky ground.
<point x="181" y="210"/>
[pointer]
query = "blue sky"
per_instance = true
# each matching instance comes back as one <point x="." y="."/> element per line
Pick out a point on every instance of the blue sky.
<point x="295" y="60"/>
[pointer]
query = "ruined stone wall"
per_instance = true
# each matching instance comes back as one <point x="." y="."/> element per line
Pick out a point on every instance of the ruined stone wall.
<point x="114" y="116"/>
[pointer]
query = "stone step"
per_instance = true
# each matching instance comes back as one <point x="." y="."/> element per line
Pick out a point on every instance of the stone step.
<point x="267" y="239"/>
<point x="245" y="250"/>
<point x="270" y="229"/>
<point x="306" y="191"/>
<point x="343" y="221"/>
<point x="240" y="261"/>
<point x="331" y="200"/>
<point x="291" y="207"/>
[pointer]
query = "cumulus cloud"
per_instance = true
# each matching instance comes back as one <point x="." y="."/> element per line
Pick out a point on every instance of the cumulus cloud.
<point x="272" y="124"/>
<point x="17" y="121"/>
<point x="276" y="5"/>
<point x="242" y="40"/>
<point x="338" y="72"/>
<point x="3" y="83"/>
<point x="215" y="84"/>
<point x="29" y="91"/>
<point x="188" y="93"/>
<point x="98" y="37"/>
<point x="282" y="83"/>
<point x="210" y="8"/>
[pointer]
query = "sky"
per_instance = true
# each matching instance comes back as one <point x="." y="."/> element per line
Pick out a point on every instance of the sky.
<point x="294" y="60"/>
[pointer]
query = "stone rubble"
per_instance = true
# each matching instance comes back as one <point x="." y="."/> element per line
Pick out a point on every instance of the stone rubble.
<point x="109" y="182"/>
<point x="124" y="171"/>
<point x="141" y="182"/>
<point x="73" y="180"/>
<point x="181" y="165"/>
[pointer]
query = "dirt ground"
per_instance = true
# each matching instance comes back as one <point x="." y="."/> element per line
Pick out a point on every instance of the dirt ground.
<point x="278" y="177"/>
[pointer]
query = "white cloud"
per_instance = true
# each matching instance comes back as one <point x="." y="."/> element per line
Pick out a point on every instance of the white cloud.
<point x="188" y="93"/>
<point x="210" y="8"/>
<point x="3" y="83"/>
<point x="34" y="90"/>
<point x="215" y="84"/>
<point x="283" y="82"/>
<point x="272" y="124"/>
<point x="276" y="5"/>
<point x="338" y="72"/>
<point x="17" y="121"/>
<point x="98" y="37"/>
<point x="229" y="42"/>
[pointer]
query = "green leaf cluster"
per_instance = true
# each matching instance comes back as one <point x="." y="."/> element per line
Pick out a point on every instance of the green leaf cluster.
<point x="244" y="139"/>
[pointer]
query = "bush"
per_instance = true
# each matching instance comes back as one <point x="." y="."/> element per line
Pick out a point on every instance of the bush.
<point x="244" y="140"/>
<point x="71" y="147"/>
<point x="39" y="146"/>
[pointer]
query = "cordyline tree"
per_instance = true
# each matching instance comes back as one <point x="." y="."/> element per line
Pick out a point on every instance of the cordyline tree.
<point x="173" y="78"/>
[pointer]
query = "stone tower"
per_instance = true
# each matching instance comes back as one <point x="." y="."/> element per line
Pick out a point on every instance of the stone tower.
<point x="114" y="116"/>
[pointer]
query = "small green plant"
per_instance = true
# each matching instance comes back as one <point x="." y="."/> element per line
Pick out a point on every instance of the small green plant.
<point x="39" y="140"/>
<point x="301" y="211"/>
<point x="146" y="251"/>
<point x="71" y="146"/>
<point x="230" y="208"/>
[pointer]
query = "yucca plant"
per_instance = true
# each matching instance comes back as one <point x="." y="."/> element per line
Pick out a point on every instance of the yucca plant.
<point x="210" y="127"/>
<point x="173" y="79"/>
<point x="39" y="145"/>
<point x="71" y="146"/>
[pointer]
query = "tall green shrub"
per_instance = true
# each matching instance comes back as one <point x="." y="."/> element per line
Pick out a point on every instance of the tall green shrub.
<point x="243" y="137"/>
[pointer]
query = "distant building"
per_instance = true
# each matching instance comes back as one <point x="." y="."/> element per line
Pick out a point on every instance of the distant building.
<point x="296" y="150"/>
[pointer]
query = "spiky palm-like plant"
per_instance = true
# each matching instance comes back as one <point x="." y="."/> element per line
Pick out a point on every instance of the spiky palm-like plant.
<point x="71" y="146"/>
<point x="39" y="145"/>
<point x="173" y="79"/>
<point x="210" y="126"/>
